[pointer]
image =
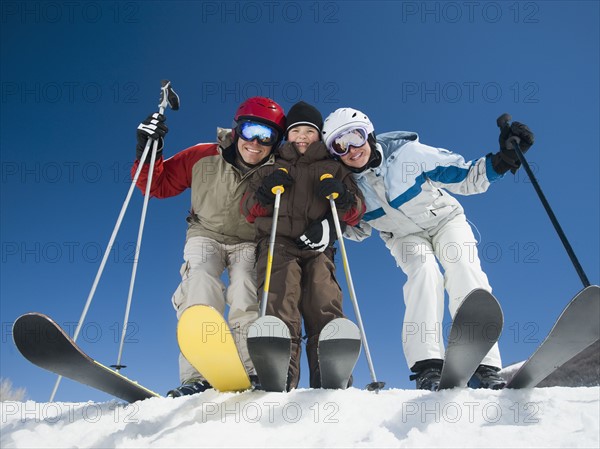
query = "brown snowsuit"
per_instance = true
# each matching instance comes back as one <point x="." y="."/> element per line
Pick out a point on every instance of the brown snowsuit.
<point x="303" y="283"/>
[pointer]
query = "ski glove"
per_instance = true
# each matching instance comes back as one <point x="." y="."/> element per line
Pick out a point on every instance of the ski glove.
<point x="319" y="235"/>
<point x="329" y="186"/>
<point x="154" y="128"/>
<point x="264" y="194"/>
<point x="507" y="159"/>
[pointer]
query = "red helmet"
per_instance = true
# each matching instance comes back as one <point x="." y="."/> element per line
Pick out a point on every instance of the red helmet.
<point x="264" y="110"/>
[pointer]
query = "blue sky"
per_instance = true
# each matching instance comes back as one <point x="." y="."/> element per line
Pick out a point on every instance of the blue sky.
<point x="77" y="78"/>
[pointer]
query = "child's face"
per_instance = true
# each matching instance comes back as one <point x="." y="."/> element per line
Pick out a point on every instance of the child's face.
<point x="302" y="136"/>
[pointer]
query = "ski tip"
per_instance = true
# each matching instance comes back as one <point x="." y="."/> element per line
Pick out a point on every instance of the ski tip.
<point x="269" y="326"/>
<point x="340" y="328"/>
<point x="33" y="315"/>
<point x="32" y="323"/>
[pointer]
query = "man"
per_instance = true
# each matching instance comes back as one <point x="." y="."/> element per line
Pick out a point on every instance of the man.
<point x="218" y="236"/>
<point x="402" y="180"/>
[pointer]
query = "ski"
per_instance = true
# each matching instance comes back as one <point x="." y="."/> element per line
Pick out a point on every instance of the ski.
<point x="476" y="328"/>
<point x="269" y="345"/>
<point x="45" y="344"/>
<point x="338" y="350"/>
<point x="205" y="340"/>
<point x="576" y="328"/>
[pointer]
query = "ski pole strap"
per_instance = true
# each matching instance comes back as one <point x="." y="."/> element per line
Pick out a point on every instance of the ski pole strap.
<point x="334" y="195"/>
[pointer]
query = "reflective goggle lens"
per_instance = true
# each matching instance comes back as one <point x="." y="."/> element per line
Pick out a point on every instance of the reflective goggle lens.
<point x="265" y="135"/>
<point x="354" y="138"/>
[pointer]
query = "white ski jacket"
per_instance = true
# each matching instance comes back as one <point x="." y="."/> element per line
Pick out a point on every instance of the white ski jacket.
<point x="404" y="194"/>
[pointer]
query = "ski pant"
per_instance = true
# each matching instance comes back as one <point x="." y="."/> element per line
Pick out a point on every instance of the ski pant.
<point x="454" y="245"/>
<point x="205" y="262"/>
<point x="303" y="285"/>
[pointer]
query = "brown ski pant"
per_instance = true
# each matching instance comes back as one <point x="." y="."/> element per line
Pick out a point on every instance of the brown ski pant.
<point x="302" y="286"/>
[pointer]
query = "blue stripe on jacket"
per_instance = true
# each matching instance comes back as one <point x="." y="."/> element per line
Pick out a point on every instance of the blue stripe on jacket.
<point x="374" y="214"/>
<point x="445" y="175"/>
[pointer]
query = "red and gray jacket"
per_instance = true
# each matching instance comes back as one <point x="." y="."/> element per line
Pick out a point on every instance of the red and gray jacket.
<point x="300" y="204"/>
<point x="217" y="188"/>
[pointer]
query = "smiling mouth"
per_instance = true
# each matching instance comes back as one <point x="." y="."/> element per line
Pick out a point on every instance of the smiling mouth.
<point x="251" y="150"/>
<point x="357" y="156"/>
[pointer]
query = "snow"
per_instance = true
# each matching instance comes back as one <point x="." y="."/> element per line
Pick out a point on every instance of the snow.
<point x="542" y="417"/>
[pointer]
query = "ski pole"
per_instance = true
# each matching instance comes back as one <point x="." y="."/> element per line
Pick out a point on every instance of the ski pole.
<point x="171" y="99"/>
<point x="277" y="190"/>
<point x="173" y="103"/>
<point x="502" y="123"/>
<point x="375" y="385"/>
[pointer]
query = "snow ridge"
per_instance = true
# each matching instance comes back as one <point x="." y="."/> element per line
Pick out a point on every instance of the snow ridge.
<point x="552" y="417"/>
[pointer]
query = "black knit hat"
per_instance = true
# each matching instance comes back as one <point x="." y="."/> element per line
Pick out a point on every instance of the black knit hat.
<point x="303" y="113"/>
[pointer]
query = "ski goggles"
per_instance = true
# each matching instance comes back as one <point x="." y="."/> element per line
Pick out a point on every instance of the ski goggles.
<point x="264" y="134"/>
<point x="340" y="144"/>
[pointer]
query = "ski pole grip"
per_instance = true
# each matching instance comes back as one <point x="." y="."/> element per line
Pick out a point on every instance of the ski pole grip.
<point x="334" y="195"/>
<point x="513" y="142"/>
<point x="279" y="189"/>
<point x="503" y="120"/>
<point x="168" y="97"/>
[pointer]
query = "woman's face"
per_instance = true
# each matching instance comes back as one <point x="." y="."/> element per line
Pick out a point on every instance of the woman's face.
<point x="357" y="157"/>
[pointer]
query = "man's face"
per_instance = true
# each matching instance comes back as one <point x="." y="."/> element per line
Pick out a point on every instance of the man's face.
<point x="252" y="152"/>
<point x="357" y="157"/>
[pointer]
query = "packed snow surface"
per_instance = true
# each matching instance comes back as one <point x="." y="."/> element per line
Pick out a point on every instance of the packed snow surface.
<point x="543" y="417"/>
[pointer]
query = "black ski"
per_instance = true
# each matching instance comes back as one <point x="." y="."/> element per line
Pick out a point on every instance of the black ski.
<point x="476" y="328"/>
<point x="339" y="348"/>
<point x="269" y="345"/>
<point x="576" y="328"/>
<point x="45" y="344"/>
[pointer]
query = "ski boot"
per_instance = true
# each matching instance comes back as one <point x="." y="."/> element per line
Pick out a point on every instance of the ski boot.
<point x="487" y="376"/>
<point x="427" y="374"/>
<point x="255" y="382"/>
<point x="187" y="388"/>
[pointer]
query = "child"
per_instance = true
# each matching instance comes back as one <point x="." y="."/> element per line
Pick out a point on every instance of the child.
<point x="303" y="284"/>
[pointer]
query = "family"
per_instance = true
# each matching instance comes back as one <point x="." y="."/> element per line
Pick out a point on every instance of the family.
<point x="232" y="183"/>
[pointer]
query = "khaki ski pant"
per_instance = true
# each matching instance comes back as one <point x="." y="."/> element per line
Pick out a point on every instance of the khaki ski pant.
<point x="454" y="246"/>
<point x="302" y="286"/>
<point x="205" y="262"/>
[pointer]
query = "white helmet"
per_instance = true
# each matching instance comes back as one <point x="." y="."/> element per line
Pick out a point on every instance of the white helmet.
<point x="344" y="119"/>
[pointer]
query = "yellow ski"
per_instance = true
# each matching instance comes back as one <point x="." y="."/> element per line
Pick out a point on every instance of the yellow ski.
<point x="205" y="340"/>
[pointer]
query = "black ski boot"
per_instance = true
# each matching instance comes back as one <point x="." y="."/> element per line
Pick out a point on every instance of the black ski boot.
<point x="188" y="388"/>
<point x="255" y="382"/>
<point x="427" y="374"/>
<point x="487" y="376"/>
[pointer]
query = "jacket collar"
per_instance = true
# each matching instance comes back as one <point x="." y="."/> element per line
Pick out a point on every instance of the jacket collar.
<point x="316" y="151"/>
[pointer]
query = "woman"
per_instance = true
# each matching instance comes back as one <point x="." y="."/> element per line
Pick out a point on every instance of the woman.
<point x="403" y="181"/>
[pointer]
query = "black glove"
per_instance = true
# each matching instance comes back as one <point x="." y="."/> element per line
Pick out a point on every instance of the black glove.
<point x="154" y="128"/>
<point x="329" y="186"/>
<point x="507" y="158"/>
<point x="265" y="194"/>
<point x="319" y="235"/>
